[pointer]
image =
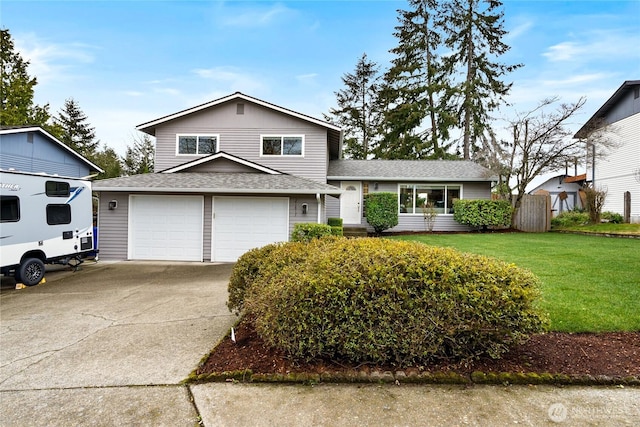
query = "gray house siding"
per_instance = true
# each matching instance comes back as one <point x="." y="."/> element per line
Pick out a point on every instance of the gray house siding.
<point x="627" y="106"/>
<point x="470" y="190"/>
<point x="33" y="152"/>
<point x="223" y="166"/>
<point x="239" y="135"/>
<point x="113" y="226"/>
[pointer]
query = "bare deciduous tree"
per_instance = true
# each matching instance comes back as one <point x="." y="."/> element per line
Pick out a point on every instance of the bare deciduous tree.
<point x="540" y="142"/>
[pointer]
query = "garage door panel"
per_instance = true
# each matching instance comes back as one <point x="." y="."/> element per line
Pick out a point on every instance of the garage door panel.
<point x="244" y="223"/>
<point x="166" y="227"/>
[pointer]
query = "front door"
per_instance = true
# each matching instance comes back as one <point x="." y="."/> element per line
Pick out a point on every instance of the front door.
<point x="350" y="202"/>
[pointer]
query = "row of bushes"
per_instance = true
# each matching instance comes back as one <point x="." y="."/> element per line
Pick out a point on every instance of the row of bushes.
<point x="382" y="301"/>
<point x="579" y="217"/>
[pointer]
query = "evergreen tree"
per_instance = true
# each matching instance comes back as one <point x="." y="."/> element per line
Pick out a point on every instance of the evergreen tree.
<point x="109" y="161"/>
<point x="357" y="112"/>
<point x="17" y="89"/>
<point x="76" y="131"/>
<point x="474" y="30"/>
<point x="417" y="117"/>
<point x="139" y="158"/>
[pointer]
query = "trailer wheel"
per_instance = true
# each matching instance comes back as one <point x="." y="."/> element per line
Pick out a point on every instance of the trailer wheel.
<point x="30" y="272"/>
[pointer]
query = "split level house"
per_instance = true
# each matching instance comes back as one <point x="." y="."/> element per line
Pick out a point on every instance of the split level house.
<point x="238" y="172"/>
<point x="619" y="171"/>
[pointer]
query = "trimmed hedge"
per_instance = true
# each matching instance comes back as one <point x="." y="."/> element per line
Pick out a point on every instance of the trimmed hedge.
<point x="483" y="213"/>
<point x="382" y="301"/>
<point x="382" y="210"/>
<point x="307" y="231"/>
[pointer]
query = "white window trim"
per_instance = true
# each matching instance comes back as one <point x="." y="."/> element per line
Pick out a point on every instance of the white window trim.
<point x="178" y="135"/>
<point x="281" y="136"/>
<point x="434" y="184"/>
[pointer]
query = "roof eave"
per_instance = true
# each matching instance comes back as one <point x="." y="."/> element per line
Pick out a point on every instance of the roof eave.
<point x="215" y="190"/>
<point x="406" y="179"/>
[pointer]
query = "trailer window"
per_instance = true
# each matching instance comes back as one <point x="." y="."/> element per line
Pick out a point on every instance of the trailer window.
<point x="58" y="214"/>
<point x="9" y="209"/>
<point x="57" y="189"/>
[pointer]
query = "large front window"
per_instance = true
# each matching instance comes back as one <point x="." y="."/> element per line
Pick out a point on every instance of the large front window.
<point x="415" y="198"/>
<point x="288" y="145"/>
<point x="197" y="144"/>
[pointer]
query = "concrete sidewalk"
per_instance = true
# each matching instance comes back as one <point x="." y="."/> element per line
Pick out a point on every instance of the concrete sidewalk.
<point x="110" y="345"/>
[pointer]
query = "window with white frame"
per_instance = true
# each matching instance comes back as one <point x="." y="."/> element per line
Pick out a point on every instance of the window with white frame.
<point x="197" y="144"/>
<point x="414" y="198"/>
<point x="281" y="145"/>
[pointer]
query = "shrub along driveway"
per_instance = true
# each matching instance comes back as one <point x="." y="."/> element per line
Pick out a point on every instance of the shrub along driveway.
<point x="109" y="345"/>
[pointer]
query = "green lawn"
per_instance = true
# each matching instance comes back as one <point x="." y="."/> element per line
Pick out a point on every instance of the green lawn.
<point x="609" y="228"/>
<point x="589" y="283"/>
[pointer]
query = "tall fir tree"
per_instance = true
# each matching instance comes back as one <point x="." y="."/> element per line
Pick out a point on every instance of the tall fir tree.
<point x="474" y="30"/>
<point x="139" y="158"/>
<point x="417" y="116"/>
<point x="357" y="112"/>
<point x="109" y="161"/>
<point x="76" y="132"/>
<point x="17" y="89"/>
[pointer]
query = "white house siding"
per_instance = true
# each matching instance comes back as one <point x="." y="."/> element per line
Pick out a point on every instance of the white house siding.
<point x="616" y="172"/>
<point x="239" y="135"/>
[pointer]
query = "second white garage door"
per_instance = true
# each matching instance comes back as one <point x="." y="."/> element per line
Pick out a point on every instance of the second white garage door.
<point x="244" y="223"/>
<point x="166" y="227"/>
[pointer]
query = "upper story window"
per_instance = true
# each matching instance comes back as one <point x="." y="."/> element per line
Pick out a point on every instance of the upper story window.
<point x="197" y="144"/>
<point x="414" y="198"/>
<point x="285" y="145"/>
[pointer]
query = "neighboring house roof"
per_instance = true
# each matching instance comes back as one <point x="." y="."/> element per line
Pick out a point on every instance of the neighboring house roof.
<point x="222" y="155"/>
<point x="224" y="183"/>
<point x="403" y="170"/>
<point x="10" y="130"/>
<point x="577" y="178"/>
<point x="602" y="113"/>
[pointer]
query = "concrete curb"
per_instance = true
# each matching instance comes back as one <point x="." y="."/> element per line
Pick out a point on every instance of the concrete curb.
<point x="413" y="376"/>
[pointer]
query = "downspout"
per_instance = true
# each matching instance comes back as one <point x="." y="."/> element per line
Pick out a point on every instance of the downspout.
<point x="319" y="200"/>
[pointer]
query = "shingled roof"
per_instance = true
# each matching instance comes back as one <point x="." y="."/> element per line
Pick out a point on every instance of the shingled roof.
<point x="221" y="183"/>
<point x="402" y="170"/>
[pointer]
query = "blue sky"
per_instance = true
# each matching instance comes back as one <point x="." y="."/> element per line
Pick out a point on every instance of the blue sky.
<point x="128" y="62"/>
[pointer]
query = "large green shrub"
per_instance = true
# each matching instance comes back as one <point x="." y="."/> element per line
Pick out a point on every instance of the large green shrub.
<point x="382" y="301"/>
<point x="382" y="210"/>
<point x="483" y="213"/>
<point x="570" y="219"/>
<point x="307" y="231"/>
<point x="336" y="226"/>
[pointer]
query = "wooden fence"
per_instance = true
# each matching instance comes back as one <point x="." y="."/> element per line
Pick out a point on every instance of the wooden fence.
<point x="534" y="214"/>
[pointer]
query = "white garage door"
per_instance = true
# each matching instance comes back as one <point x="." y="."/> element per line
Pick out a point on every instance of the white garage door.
<point x="165" y="227"/>
<point x="243" y="223"/>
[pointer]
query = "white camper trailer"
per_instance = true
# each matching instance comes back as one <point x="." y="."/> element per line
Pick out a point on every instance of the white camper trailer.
<point x="44" y="219"/>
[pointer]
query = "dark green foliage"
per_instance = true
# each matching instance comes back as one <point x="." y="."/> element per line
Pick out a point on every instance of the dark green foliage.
<point x="483" y="213"/>
<point x="336" y="226"/>
<point x="75" y="129"/>
<point x="383" y="301"/>
<point x="17" y="89"/>
<point x="612" y="217"/>
<point x="358" y="111"/>
<point x="381" y="210"/>
<point x="570" y="219"/>
<point x="334" y="222"/>
<point x="307" y="231"/>
<point x="139" y="158"/>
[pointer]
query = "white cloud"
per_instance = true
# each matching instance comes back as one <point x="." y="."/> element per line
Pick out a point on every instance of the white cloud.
<point x="256" y="16"/>
<point x="307" y="77"/>
<point x="595" y="45"/>
<point x="51" y="61"/>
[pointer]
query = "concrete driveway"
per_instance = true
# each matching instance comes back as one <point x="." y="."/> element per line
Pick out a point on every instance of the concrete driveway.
<point x="110" y="345"/>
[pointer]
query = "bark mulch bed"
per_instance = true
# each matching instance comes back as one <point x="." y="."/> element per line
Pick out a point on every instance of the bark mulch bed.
<point x="581" y="358"/>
